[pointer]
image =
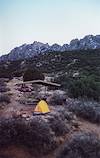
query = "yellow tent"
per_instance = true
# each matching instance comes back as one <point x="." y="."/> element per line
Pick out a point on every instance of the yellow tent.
<point x="42" y="107"/>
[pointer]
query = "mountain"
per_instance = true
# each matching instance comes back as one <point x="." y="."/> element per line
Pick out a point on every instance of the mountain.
<point x="30" y="50"/>
<point x="88" y="42"/>
<point x="25" y="51"/>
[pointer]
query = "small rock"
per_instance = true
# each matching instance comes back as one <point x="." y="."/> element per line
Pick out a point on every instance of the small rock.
<point x="24" y="115"/>
<point x="75" y="124"/>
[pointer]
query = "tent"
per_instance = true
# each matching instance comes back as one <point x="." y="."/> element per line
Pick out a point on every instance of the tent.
<point x="42" y="107"/>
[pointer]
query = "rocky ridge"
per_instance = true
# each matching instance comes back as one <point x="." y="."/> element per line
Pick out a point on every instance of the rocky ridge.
<point x="26" y="51"/>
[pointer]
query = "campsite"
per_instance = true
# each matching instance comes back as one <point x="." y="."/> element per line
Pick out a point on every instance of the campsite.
<point x="36" y="120"/>
<point x="49" y="78"/>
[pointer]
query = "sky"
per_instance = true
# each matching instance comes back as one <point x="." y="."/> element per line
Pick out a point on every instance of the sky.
<point x="47" y="21"/>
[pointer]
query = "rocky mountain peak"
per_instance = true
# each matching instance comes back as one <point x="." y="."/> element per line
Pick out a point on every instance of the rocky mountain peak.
<point x="26" y="51"/>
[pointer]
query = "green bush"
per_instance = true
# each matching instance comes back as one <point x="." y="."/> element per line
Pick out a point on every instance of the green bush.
<point x="6" y="74"/>
<point x="85" y="87"/>
<point x="32" y="74"/>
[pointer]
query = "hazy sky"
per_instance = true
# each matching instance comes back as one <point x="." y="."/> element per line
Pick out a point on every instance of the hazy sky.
<point x="52" y="21"/>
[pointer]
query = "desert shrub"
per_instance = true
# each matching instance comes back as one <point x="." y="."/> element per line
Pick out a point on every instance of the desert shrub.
<point x="4" y="156"/>
<point x="35" y="134"/>
<point x="5" y="73"/>
<point x="64" y="80"/>
<point x="39" y="135"/>
<point x="59" y="124"/>
<point x="18" y="73"/>
<point x="2" y="82"/>
<point x="81" y="145"/>
<point x="57" y="99"/>
<point x="4" y="98"/>
<point x="59" y="127"/>
<point x="32" y="74"/>
<point x="4" y="89"/>
<point x="3" y="86"/>
<point x="89" y="110"/>
<point x="84" y="87"/>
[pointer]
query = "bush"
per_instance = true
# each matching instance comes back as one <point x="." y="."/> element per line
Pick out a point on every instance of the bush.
<point x="81" y="145"/>
<point x="84" y="87"/>
<point x="18" y="73"/>
<point x="4" y="98"/>
<point x="4" y="89"/>
<point x="4" y="156"/>
<point x="3" y="86"/>
<point x="34" y="134"/>
<point x="32" y="74"/>
<point x="57" y="99"/>
<point x="2" y="82"/>
<point x="59" y="124"/>
<point x="39" y="133"/>
<point x="5" y="73"/>
<point x="89" y="110"/>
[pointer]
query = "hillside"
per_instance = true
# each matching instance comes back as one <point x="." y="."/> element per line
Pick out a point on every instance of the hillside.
<point x="77" y="71"/>
<point x="53" y="135"/>
<point x="74" y="116"/>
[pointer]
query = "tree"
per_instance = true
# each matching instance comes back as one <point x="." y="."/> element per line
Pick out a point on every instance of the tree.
<point x="32" y="74"/>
